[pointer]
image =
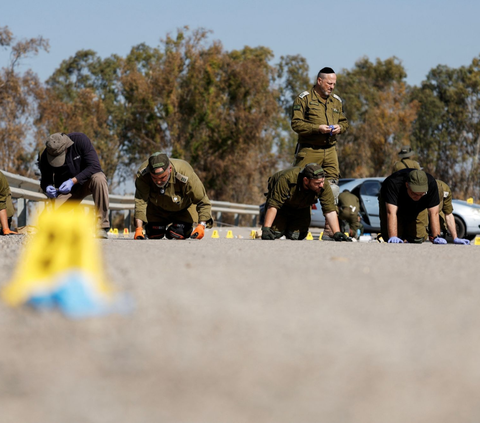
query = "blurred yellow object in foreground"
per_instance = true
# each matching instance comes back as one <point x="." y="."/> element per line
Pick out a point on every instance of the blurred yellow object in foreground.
<point x="470" y="200"/>
<point x="61" y="266"/>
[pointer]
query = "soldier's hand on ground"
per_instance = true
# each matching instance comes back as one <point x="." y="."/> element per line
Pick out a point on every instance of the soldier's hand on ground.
<point x="139" y="234"/>
<point x="66" y="187"/>
<point x="394" y="240"/>
<point x="440" y="241"/>
<point x="267" y="233"/>
<point x="340" y="236"/>
<point x="461" y="241"/>
<point x="51" y="192"/>
<point x="199" y="232"/>
<point x="7" y="231"/>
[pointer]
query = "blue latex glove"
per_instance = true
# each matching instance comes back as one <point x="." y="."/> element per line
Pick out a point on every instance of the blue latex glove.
<point x="66" y="187"/>
<point x="51" y="191"/>
<point x="439" y="240"/>
<point x="461" y="241"/>
<point x="331" y="128"/>
<point x="395" y="240"/>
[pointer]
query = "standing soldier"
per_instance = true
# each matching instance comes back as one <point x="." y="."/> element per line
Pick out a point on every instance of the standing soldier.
<point x="6" y="207"/>
<point x="291" y="193"/>
<point x="170" y="198"/>
<point x="405" y="161"/>
<point x="318" y="118"/>
<point x="349" y="212"/>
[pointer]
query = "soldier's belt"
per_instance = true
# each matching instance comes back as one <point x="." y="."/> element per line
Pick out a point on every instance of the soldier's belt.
<point x="314" y="146"/>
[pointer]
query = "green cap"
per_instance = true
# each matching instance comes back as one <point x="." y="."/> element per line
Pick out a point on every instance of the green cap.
<point x="313" y="171"/>
<point x="158" y="160"/>
<point x="57" y="145"/>
<point x="418" y="181"/>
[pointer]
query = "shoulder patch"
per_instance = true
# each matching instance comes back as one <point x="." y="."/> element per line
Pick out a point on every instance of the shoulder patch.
<point x="305" y="93"/>
<point x="181" y="178"/>
<point x="445" y="194"/>
<point x="338" y="98"/>
<point x="144" y="171"/>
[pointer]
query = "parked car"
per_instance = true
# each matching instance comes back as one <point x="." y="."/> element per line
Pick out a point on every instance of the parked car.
<point x="467" y="216"/>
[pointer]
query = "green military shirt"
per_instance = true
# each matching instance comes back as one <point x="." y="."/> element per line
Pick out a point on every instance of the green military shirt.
<point x="285" y="190"/>
<point x="183" y="189"/>
<point x="348" y="200"/>
<point x="406" y="164"/>
<point x="445" y="195"/>
<point x="310" y="111"/>
<point x="6" y="197"/>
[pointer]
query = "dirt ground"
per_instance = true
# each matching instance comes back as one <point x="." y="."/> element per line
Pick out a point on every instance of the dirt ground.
<point x="240" y="330"/>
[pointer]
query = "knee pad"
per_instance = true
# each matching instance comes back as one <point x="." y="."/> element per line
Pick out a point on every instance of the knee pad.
<point x="155" y="230"/>
<point x="179" y="231"/>
<point x="335" y="190"/>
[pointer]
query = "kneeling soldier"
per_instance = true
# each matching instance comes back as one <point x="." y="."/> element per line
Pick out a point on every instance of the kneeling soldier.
<point x="291" y="193"/>
<point x="170" y="198"/>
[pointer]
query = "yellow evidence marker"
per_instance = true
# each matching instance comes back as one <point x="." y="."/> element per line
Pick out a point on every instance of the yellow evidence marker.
<point x="477" y="240"/>
<point x="320" y="236"/>
<point x="61" y="268"/>
<point x="229" y="234"/>
<point x="309" y="237"/>
<point x="253" y="234"/>
<point x="125" y="232"/>
<point x="215" y="234"/>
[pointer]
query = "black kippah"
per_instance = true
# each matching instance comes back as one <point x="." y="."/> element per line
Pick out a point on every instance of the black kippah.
<point x="326" y="70"/>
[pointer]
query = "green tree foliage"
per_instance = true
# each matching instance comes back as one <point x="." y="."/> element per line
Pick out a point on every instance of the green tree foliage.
<point x="83" y="95"/>
<point x="380" y="113"/>
<point x="447" y="131"/>
<point x="292" y="79"/>
<point x="17" y="102"/>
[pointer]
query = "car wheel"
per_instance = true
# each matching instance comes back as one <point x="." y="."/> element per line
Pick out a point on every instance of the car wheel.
<point x="460" y="227"/>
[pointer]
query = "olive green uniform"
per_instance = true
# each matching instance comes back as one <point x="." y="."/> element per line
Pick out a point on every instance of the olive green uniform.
<point x="445" y="207"/>
<point x="309" y="112"/>
<point x="405" y="164"/>
<point x="348" y="210"/>
<point x="6" y="198"/>
<point x="422" y="218"/>
<point x="293" y="203"/>
<point x="183" y="199"/>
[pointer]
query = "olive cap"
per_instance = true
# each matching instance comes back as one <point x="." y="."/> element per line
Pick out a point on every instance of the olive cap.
<point x="158" y="160"/>
<point x="418" y="181"/>
<point x="313" y="171"/>
<point x="57" y="145"/>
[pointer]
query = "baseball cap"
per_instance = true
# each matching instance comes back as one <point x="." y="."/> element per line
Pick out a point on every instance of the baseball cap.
<point x="405" y="152"/>
<point x="313" y="171"/>
<point x="158" y="160"/>
<point x="418" y="181"/>
<point x="57" y="145"/>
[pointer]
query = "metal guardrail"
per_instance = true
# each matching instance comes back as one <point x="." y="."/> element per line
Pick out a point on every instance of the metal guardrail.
<point x="28" y="189"/>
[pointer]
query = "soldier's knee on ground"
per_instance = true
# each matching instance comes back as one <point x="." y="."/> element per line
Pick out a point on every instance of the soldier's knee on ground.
<point x="179" y="231"/>
<point x="155" y="230"/>
<point x="296" y="235"/>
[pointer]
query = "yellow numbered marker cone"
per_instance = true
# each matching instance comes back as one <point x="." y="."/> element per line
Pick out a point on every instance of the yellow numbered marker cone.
<point x="125" y="233"/>
<point x="253" y="234"/>
<point x="477" y="240"/>
<point x="470" y="200"/>
<point x="229" y="234"/>
<point x="115" y="232"/>
<point x="215" y="234"/>
<point x="320" y="236"/>
<point x="110" y="231"/>
<point x="309" y="237"/>
<point x="61" y="268"/>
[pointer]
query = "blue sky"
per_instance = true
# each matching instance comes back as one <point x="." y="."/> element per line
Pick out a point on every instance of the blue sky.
<point x="422" y="34"/>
